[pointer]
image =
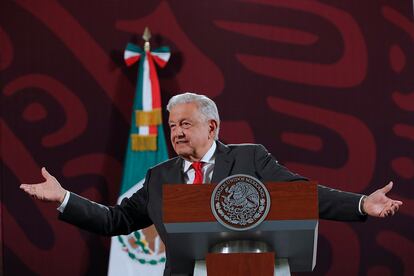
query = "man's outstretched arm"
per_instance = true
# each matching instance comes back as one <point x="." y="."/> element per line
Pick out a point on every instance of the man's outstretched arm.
<point x="129" y="215"/>
<point x="333" y="204"/>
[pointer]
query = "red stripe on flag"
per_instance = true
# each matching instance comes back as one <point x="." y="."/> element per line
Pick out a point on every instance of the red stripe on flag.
<point x="131" y="60"/>
<point x="155" y="85"/>
<point x="153" y="130"/>
<point x="161" y="63"/>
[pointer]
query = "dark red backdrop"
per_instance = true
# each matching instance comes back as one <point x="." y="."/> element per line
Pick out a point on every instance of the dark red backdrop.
<point x="326" y="86"/>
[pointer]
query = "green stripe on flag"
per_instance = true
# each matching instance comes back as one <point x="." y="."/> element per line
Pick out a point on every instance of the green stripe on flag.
<point x="162" y="49"/>
<point x="134" y="48"/>
<point x="138" y="162"/>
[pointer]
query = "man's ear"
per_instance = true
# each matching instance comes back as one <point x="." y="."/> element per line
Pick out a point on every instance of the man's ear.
<point x="212" y="125"/>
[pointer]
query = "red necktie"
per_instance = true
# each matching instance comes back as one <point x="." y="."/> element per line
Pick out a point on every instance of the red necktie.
<point x="198" y="179"/>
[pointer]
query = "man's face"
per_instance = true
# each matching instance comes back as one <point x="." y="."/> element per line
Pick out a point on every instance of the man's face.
<point x="191" y="133"/>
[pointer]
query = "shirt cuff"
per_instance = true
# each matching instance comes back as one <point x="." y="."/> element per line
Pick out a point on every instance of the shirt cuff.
<point x="360" y="206"/>
<point x="62" y="206"/>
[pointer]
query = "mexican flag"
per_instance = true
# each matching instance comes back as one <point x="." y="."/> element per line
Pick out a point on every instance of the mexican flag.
<point x="142" y="252"/>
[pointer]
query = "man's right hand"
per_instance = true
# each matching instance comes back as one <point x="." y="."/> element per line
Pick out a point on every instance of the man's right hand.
<point x="50" y="190"/>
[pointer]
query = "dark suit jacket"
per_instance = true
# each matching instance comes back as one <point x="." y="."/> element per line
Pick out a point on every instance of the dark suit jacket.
<point x="144" y="207"/>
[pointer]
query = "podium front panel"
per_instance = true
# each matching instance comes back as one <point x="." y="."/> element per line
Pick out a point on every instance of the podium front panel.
<point x="290" y="229"/>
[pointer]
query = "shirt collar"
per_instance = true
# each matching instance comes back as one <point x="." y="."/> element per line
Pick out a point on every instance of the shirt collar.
<point x="209" y="157"/>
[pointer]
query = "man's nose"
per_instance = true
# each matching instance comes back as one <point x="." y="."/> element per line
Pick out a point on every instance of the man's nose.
<point x="178" y="131"/>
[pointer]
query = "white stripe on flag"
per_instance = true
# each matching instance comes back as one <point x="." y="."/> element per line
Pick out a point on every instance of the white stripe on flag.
<point x="144" y="130"/>
<point x="119" y="261"/>
<point x="146" y="87"/>
<point x="128" y="54"/>
<point x="163" y="56"/>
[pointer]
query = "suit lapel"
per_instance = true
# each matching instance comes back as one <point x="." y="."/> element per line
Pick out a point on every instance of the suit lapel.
<point x="223" y="163"/>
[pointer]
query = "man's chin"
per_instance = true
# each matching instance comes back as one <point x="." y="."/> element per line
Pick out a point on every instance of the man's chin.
<point x="183" y="152"/>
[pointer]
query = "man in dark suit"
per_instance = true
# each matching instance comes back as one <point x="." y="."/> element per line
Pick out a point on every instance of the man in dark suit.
<point x="194" y="123"/>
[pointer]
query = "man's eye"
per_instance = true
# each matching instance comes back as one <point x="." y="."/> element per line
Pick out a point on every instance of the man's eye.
<point x="186" y="124"/>
<point x="172" y="126"/>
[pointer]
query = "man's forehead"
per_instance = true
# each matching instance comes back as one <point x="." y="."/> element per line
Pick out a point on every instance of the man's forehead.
<point x="184" y="110"/>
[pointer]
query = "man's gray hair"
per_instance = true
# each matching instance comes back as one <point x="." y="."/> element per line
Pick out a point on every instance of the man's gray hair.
<point x="206" y="106"/>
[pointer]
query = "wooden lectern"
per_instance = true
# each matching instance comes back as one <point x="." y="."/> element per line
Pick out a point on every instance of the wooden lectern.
<point x="289" y="231"/>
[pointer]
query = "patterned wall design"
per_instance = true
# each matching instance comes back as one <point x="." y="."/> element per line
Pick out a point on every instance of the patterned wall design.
<point x="326" y="86"/>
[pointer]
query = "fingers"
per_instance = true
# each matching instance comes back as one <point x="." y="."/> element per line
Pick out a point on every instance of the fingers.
<point x="387" y="187"/>
<point x="385" y="213"/>
<point x="34" y="190"/>
<point x="45" y="173"/>
<point x="390" y="210"/>
<point x="397" y="202"/>
<point x="25" y="187"/>
<point x="30" y="189"/>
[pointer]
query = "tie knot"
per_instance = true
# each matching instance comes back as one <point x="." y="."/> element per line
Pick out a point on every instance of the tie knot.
<point x="197" y="165"/>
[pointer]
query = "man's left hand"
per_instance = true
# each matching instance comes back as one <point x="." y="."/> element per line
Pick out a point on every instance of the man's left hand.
<point x="379" y="205"/>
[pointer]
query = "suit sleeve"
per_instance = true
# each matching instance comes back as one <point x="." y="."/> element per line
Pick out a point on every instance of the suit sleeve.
<point x="131" y="214"/>
<point x="339" y="205"/>
<point x="333" y="204"/>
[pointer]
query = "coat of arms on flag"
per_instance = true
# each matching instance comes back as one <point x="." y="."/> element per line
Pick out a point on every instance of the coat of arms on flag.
<point x="142" y="252"/>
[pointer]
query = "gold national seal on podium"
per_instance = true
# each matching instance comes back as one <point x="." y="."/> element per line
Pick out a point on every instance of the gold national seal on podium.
<point x="240" y="202"/>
